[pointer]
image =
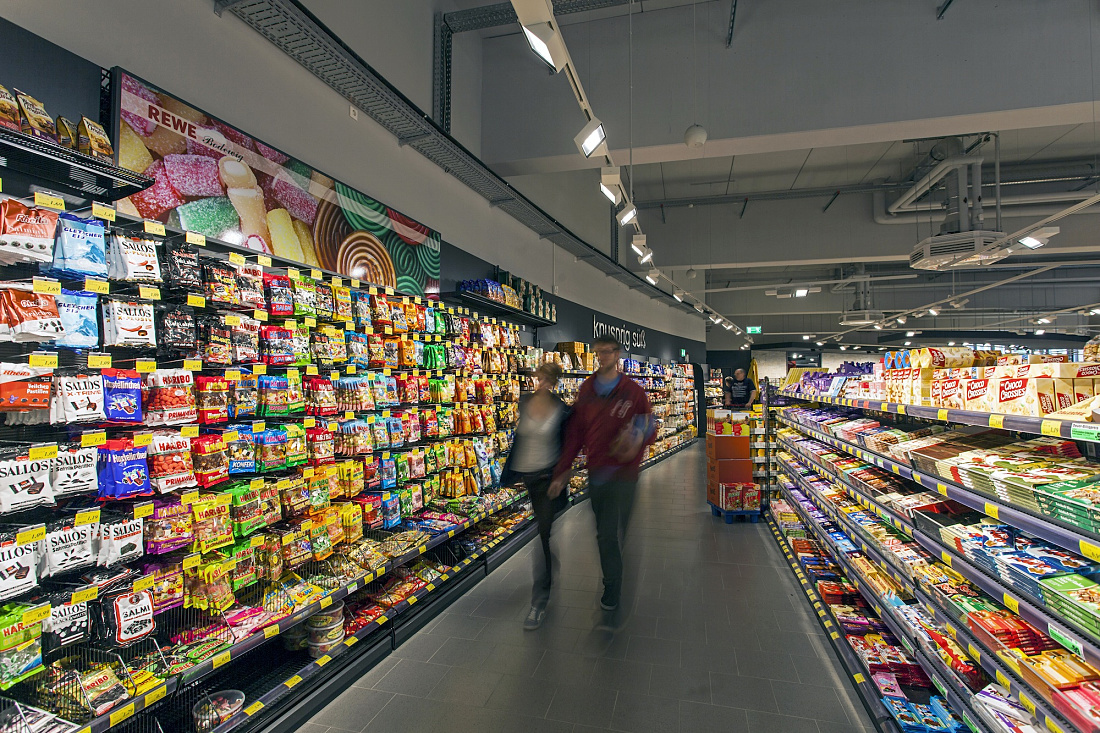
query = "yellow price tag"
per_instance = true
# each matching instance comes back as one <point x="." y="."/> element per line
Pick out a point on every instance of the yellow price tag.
<point x="90" y="440"/>
<point x="156" y="695"/>
<point x="310" y="322"/>
<point x="27" y="536"/>
<point x="144" y="583"/>
<point x="99" y="361"/>
<point x="231" y="320"/>
<point x="259" y="369"/>
<point x="221" y="659"/>
<point x="154" y="227"/>
<point x="233" y="375"/>
<point x="95" y="285"/>
<point x="258" y="427"/>
<point x="36" y="615"/>
<point x="349" y="415"/>
<point x="326" y="602"/>
<point x="991" y="510"/>
<point x="102" y="211"/>
<point x="230" y="436"/>
<point x="88" y="516"/>
<point x="43" y="361"/>
<point x="941" y="489"/>
<point x="270" y="631"/>
<point x="144" y="366"/>
<point x="322" y="661"/>
<point x="997" y="421"/>
<point x="974" y="653"/>
<point x="46" y="287"/>
<point x="316" y="274"/>
<point x="260" y="315"/>
<point x="334" y="375"/>
<point x="859" y="678"/>
<point x="310" y="422"/>
<point x="195" y="238"/>
<point x="196" y="301"/>
<point x="189" y="497"/>
<point x="946" y="558"/>
<point x="1027" y="703"/>
<point x="192" y="561"/>
<point x="123" y="713"/>
<point x="254" y="708"/>
<point x="1090" y="550"/>
<point x="144" y="509"/>
<point x="236" y="258"/>
<point x="263" y="260"/>
<point x="42" y="452"/>
<point x="351" y="369"/>
<point x="1012" y="604"/>
<point x="87" y="594"/>
<point x="1052" y="726"/>
<point x="49" y="201"/>
<point x="148" y="292"/>
<point x="192" y="365"/>
<point x="190" y="431"/>
<point x="1051" y="427"/>
<point x="355" y="283"/>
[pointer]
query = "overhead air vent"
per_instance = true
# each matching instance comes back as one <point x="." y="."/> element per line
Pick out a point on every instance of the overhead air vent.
<point x="861" y="318"/>
<point x="961" y="250"/>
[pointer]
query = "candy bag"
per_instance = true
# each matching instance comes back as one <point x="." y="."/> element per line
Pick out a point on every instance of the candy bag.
<point x="77" y="311"/>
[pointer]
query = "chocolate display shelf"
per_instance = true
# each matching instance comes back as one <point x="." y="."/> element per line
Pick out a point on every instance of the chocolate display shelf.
<point x="67" y="171"/>
<point x="995" y="667"/>
<point x="1026" y="607"/>
<point x="944" y="679"/>
<point x="666" y="454"/>
<point x="1047" y="528"/>
<point x="1019" y="423"/>
<point x="869" y="694"/>
<point x="271" y="697"/>
<point x="899" y="574"/>
<point x="492" y="307"/>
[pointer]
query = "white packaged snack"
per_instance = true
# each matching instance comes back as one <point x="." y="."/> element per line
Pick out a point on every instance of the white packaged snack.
<point x="120" y="540"/>
<point x="74" y="470"/>
<point x="77" y="310"/>
<point x="78" y="398"/>
<point x="67" y="546"/>
<point x="133" y="259"/>
<point x="17" y="566"/>
<point x="24" y="483"/>
<point x="128" y="323"/>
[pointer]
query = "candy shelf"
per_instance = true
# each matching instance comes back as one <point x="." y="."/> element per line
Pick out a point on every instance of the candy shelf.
<point x="865" y="687"/>
<point x="497" y="309"/>
<point x="67" y="171"/>
<point x="1007" y="677"/>
<point x="1047" y="528"/>
<point x="1021" y="423"/>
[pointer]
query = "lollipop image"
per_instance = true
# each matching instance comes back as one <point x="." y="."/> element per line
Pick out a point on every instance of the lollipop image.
<point x="363" y="257"/>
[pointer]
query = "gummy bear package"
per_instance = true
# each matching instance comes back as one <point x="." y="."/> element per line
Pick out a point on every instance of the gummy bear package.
<point x="280" y="295"/>
<point x="133" y="259"/>
<point x="169" y="459"/>
<point x="81" y="247"/>
<point x="250" y="284"/>
<point x="77" y="311"/>
<point x="169" y="397"/>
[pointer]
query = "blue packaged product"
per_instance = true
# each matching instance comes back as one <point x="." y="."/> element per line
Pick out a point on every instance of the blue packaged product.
<point x="391" y="511"/>
<point x="242" y="453"/>
<point x="81" y="247"/>
<point x="123" y="470"/>
<point x="396" y="430"/>
<point x="77" y="310"/>
<point x="389" y="473"/>
<point x="122" y="395"/>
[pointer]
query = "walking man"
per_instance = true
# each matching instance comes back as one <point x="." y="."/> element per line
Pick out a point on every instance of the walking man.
<point x="612" y="421"/>
<point x="739" y="392"/>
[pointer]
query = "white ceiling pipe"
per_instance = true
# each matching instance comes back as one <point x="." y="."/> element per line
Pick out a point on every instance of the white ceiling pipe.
<point x="935" y="212"/>
<point x="925" y="184"/>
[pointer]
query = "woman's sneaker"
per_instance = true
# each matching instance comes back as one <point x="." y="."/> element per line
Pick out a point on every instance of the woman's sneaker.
<point x="534" y="618"/>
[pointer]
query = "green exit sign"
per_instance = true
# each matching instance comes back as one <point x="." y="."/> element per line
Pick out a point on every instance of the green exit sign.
<point x="752" y="329"/>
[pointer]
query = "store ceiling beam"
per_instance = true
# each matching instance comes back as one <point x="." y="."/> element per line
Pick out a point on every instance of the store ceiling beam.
<point x="298" y="33"/>
<point x="733" y="19"/>
<point x="498" y="14"/>
<point x="221" y="6"/>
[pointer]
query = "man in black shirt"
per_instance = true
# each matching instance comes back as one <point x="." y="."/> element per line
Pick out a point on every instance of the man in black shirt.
<point x="739" y="392"/>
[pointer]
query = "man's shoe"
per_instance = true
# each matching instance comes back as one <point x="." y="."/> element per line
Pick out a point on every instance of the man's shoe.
<point x="534" y="618"/>
<point x="610" y="600"/>
<point x="609" y="621"/>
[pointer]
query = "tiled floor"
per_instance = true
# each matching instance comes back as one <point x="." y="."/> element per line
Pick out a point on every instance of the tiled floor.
<point x="719" y="639"/>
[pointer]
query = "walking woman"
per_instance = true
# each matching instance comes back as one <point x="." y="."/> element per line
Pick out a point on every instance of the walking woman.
<point x="535" y="452"/>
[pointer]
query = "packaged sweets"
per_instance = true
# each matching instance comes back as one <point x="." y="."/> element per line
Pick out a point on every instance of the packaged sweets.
<point x="208" y="454"/>
<point x="126" y="617"/>
<point x="128" y="323"/>
<point x="34" y="119"/>
<point x="276" y="345"/>
<point x="77" y="311"/>
<point x="24" y="483"/>
<point x="323" y="303"/>
<point x="92" y="139"/>
<point x="176" y="331"/>
<point x="73" y="471"/>
<point x="212" y="523"/>
<point x="30" y="316"/>
<point x="68" y="545"/>
<point x="167" y="587"/>
<point x="120" y="539"/>
<point x="319" y="443"/>
<point x="122" y="395"/>
<point x="250" y="284"/>
<point x="212" y="399"/>
<point x="272" y="399"/>
<point x="169" y="528"/>
<point x="181" y="265"/>
<point x="78" y="398"/>
<point x="296" y="452"/>
<point x="342" y="307"/>
<point x="217" y="340"/>
<point x="68" y="623"/>
<point x="66" y="133"/>
<point x="243" y="397"/>
<point x="170" y="466"/>
<point x="18" y="563"/>
<point x="244" y="571"/>
<point x="9" y="110"/>
<point x="20" y="645"/>
<point x="241" y="451"/>
<point x="270" y="448"/>
<point x="28" y="233"/>
<point x="397" y="317"/>
<point x="295" y="394"/>
<point x="380" y="310"/>
<point x="280" y="294"/>
<point x="220" y="282"/>
<point x="360" y="302"/>
<point x="305" y="297"/>
<point x="245" y="510"/>
<point x="80" y="248"/>
<point x="169" y="397"/>
<point x="245" y="337"/>
<point x="133" y="259"/>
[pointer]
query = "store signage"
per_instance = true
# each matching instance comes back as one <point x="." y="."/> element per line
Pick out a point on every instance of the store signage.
<point x="753" y="329"/>
<point x="221" y="182"/>
<point x="629" y="338"/>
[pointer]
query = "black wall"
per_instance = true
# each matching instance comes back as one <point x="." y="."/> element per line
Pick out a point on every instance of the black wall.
<point x="575" y="322"/>
<point x="728" y="361"/>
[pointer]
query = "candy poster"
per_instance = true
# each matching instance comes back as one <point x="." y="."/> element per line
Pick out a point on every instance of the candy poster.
<point x="214" y="179"/>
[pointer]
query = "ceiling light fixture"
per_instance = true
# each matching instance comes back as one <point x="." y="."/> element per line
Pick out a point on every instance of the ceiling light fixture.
<point x="801" y="292"/>
<point x="627" y="214"/>
<point x="653" y="276"/>
<point x="806" y="337"/>
<point x="1039" y="237"/>
<point x="699" y="307"/>
<point x="1044" y="320"/>
<point x="727" y="326"/>
<point x="1095" y="311"/>
<point x="959" y="303"/>
<point x="878" y="326"/>
<point x="950" y="343"/>
<point x="843" y="348"/>
<point x="637" y="243"/>
<point x="819" y="343"/>
<point x="910" y="334"/>
<point x="856" y="348"/>
<point x="611" y="184"/>
<point x="676" y="294"/>
<point x="547" y="44"/>
<point x="933" y="312"/>
<point x="592" y="138"/>
<point x="1040" y="331"/>
<point x="901" y="320"/>
<point x="908" y="343"/>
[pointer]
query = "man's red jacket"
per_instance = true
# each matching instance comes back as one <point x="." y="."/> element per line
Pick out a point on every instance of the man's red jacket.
<point x="595" y="423"/>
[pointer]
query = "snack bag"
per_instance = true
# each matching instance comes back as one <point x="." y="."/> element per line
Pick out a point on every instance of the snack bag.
<point x="81" y="247"/>
<point x="92" y="139"/>
<point x="208" y="455"/>
<point x="212" y="399"/>
<point x="123" y="470"/>
<point x="250" y="283"/>
<point x="9" y="110"/>
<point x="24" y="483"/>
<point x="220" y="282"/>
<point x="35" y="120"/>
<point x="78" y="398"/>
<point x="133" y="259"/>
<point x="280" y="294"/>
<point x="128" y="323"/>
<point x="27" y="233"/>
<point x="77" y="311"/>
<point x="170" y="527"/>
<point x="122" y="395"/>
<point x="169" y="397"/>
<point x="181" y="263"/>
<point x="73" y="471"/>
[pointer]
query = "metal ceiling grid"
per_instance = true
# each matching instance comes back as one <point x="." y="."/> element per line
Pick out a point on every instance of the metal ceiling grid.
<point x="300" y="35"/>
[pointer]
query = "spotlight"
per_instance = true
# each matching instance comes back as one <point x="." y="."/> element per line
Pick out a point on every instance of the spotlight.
<point x="801" y="292"/>
<point x="1040" y="332"/>
<point x="592" y="138"/>
<point x="806" y="337"/>
<point x="646" y="256"/>
<point x="637" y="243"/>
<point x="653" y="275"/>
<point x="627" y="214"/>
<point x="699" y="307"/>
<point x="918" y="314"/>
<point x="1039" y="237"/>
<point x="727" y="326"/>
<point x="843" y="348"/>
<point x="1095" y="312"/>
<point x="547" y="44"/>
<point x="611" y="185"/>
<point x="1043" y="320"/>
<point x="878" y="326"/>
<point x="856" y="348"/>
<point x="933" y="312"/>
<point x="910" y="334"/>
<point x="950" y="343"/>
<point x="908" y="343"/>
<point x="901" y="320"/>
<point x="676" y="294"/>
<point x="737" y="330"/>
<point x="959" y="303"/>
<point x="819" y="343"/>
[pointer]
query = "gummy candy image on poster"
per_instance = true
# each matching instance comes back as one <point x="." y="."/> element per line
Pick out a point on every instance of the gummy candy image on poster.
<point x="213" y="179"/>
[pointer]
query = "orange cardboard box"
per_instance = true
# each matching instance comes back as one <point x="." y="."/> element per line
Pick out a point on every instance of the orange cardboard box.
<point x="728" y="446"/>
<point x="730" y="470"/>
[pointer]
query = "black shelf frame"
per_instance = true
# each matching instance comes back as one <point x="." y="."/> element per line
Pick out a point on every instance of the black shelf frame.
<point x="493" y="308"/>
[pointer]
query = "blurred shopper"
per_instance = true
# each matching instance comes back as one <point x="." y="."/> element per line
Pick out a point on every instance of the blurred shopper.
<point x="535" y="452"/>
<point x="739" y="392"/>
<point x="612" y="421"/>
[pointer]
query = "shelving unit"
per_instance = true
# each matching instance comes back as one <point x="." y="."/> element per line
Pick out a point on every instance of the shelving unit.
<point x="495" y="308"/>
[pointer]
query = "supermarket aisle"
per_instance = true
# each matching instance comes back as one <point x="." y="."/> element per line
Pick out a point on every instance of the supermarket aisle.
<point x="719" y="639"/>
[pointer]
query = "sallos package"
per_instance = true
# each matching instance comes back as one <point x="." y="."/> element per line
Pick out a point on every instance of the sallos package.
<point x="73" y="471"/>
<point x="68" y="623"/>
<point x="24" y="482"/>
<point x="17" y="564"/>
<point x="133" y="259"/>
<point x="78" y="398"/>
<point x="69" y="543"/>
<point x="128" y="323"/>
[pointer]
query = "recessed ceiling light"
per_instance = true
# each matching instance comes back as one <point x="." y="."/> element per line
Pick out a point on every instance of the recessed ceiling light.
<point x="1040" y="332"/>
<point x="901" y="320"/>
<point x="801" y="292"/>
<point x="908" y="343"/>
